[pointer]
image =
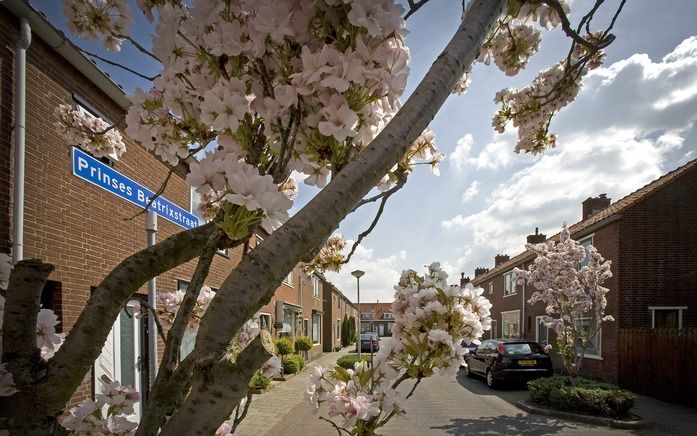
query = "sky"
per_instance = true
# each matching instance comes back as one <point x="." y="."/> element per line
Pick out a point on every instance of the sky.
<point x="633" y="121"/>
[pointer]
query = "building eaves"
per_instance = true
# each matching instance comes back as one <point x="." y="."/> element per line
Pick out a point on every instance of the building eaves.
<point x="606" y="216"/>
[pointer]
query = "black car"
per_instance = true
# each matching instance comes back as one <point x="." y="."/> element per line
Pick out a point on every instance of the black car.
<point x="367" y="339"/>
<point x="503" y="360"/>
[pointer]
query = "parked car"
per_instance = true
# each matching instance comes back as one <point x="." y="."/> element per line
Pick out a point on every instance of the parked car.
<point x="504" y="360"/>
<point x="366" y="339"/>
<point x="469" y="347"/>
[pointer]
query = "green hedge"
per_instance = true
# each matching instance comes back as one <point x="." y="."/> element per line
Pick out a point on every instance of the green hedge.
<point x="284" y="346"/>
<point x="293" y="363"/>
<point x="260" y="381"/>
<point x="585" y="396"/>
<point x="348" y="360"/>
<point x="303" y="343"/>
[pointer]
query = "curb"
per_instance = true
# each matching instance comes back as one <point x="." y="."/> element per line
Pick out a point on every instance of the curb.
<point x="635" y="423"/>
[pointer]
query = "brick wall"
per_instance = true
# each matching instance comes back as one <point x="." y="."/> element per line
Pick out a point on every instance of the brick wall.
<point x="658" y="245"/>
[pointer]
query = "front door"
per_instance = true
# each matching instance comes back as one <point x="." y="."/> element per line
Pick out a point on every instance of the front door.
<point x="123" y="355"/>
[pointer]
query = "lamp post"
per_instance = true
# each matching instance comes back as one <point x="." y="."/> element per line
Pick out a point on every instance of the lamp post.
<point x="358" y="274"/>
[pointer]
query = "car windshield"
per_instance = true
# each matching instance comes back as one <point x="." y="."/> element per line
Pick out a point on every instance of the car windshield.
<point x="366" y="336"/>
<point x="525" y="348"/>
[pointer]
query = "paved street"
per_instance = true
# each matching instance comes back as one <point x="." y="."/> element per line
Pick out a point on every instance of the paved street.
<point x="446" y="406"/>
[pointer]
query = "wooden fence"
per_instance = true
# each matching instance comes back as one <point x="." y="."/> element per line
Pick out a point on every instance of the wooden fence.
<point x="661" y="363"/>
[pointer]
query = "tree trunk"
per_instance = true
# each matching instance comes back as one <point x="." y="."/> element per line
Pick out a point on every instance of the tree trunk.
<point x="253" y="282"/>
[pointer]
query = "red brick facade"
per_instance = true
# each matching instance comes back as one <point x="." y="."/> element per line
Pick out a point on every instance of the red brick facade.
<point x="651" y="239"/>
<point x="336" y="306"/>
<point x="377" y="318"/>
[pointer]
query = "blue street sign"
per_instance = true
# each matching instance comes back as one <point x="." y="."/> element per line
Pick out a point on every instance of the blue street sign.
<point x="93" y="171"/>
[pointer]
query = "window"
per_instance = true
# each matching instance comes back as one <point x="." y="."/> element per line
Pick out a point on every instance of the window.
<point x="593" y="345"/>
<point x="491" y="287"/>
<point x="289" y="279"/>
<point x="338" y="329"/>
<point x="510" y="324"/>
<point x="585" y="242"/>
<point x="315" y="287"/>
<point x="368" y="316"/>
<point x="306" y="326"/>
<point x="182" y="285"/>
<point x="265" y="321"/>
<point x="509" y="283"/>
<point x="542" y="331"/>
<point x="666" y="317"/>
<point x="494" y="329"/>
<point x="316" y="322"/>
<point x="79" y="102"/>
<point x="388" y="315"/>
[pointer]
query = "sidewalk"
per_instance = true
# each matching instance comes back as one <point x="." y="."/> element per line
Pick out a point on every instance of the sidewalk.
<point x="269" y="408"/>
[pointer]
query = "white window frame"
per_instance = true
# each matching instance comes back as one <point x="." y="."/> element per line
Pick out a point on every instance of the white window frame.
<point x="512" y="290"/>
<point x="78" y="100"/>
<point x="589" y="239"/>
<point x="319" y="328"/>
<point x="599" y="344"/>
<point x="539" y="320"/>
<point x="265" y="314"/>
<point x="503" y="324"/>
<point x="491" y="287"/>
<point x="494" y="327"/>
<point x="315" y="287"/>
<point x="653" y="310"/>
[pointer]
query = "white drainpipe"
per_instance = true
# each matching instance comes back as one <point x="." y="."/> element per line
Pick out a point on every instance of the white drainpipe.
<point x="23" y="42"/>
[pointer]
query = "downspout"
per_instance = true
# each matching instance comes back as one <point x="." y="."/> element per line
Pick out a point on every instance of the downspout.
<point x="23" y="41"/>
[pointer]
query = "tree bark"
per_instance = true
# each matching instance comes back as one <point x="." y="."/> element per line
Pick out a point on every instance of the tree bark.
<point x="84" y="342"/>
<point x="253" y="282"/>
<point x="219" y="388"/>
<point x="22" y="412"/>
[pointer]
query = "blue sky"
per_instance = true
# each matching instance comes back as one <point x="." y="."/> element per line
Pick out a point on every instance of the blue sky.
<point x="633" y="121"/>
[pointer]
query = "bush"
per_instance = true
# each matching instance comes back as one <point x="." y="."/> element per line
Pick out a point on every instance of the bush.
<point x="284" y="346"/>
<point x="260" y="381"/>
<point x="348" y="360"/>
<point x="585" y="396"/>
<point x="303" y="343"/>
<point x="293" y="364"/>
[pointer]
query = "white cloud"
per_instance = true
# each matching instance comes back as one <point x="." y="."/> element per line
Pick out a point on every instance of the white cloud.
<point x="471" y="191"/>
<point x="381" y="274"/>
<point x="496" y="154"/>
<point x="628" y="127"/>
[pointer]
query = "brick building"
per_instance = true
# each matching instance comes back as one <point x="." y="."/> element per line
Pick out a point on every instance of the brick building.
<point x="82" y="228"/>
<point x="377" y="318"/>
<point x="651" y="239"/>
<point x="336" y="306"/>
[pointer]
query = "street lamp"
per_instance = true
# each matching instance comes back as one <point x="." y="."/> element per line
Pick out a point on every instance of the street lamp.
<point x="358" y="274"/>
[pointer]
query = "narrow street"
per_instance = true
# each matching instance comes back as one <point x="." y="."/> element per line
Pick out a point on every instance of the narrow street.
<point x="447" y="406"/>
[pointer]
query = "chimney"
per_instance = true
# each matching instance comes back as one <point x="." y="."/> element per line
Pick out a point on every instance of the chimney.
<point x="500" y="258"/>
<point x="591" y="206"/>
<point x="537" y="238"/>
<point x="480" y="271"/>
<point x="464" y="280"/>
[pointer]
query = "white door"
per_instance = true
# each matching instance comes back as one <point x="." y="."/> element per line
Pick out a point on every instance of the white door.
<point x="121" y="359"/>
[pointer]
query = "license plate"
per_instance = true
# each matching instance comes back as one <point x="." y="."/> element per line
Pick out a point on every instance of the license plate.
<point x="527" y="362"/>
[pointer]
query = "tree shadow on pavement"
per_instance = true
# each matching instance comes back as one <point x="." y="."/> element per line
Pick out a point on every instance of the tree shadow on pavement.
<point x="504" y="425"/>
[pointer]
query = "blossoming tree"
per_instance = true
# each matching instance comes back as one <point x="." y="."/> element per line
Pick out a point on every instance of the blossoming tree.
<point x="573" y="293"/>
<point x="263" y="89"/>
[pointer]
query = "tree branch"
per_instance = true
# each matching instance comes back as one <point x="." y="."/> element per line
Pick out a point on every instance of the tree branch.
<point x="413" y="388"/>
<point x="84" y="343"/>
<point x="156" y="407"/>
<point x="158" y="324"/>
<point x="365" y="233"/>
<point x="118" y="65"/>
<point x="254" y="281"/>
<point x="338" y="429"/>
<point x="219" y="385"/>
<point x="238" y="419"/>
<point x="566" y="26"/>
<point x="413" y="7"/>
<point x="139" y="47"/>
<point x="387" y="193"/>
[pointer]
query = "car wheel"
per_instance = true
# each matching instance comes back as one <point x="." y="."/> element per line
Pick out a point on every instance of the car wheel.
<point x="490" y="381"/>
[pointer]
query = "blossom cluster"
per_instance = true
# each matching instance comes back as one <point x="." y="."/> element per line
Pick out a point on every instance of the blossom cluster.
<point x="272" y="87"/>
<point x="330" y="256"/>
<point x="168" y="304"/>
<point x="107" y="414"/>
<point x="91" y="133"/>
<point x="250" y="330"/>
<point x="432" y="319"/>
<point x="99" y="19"/>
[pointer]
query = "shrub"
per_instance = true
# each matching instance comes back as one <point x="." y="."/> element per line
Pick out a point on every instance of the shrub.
<point x="284" y="346"/>
<point x="293" y="364"/>
<point x="303" y="343"/>
<point x="348" y="360"/>
<point x="584" y="396"/>
<point x="260" y="381"/>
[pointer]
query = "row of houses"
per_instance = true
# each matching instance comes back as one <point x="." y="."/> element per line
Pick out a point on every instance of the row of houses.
<point x="651" y="238"/>
<point x="60" y="205"/>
